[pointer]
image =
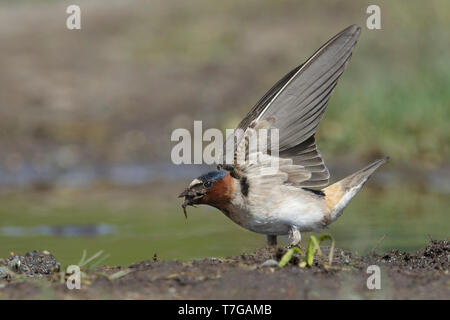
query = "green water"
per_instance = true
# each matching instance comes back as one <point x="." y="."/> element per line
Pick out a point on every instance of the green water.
<point x="155" y="224"/>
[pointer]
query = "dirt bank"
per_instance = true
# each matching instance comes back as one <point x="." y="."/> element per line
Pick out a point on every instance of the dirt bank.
<point x="423" y="275"/>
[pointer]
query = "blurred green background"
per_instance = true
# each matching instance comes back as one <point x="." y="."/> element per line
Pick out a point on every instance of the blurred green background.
<point x="86" y="117"/>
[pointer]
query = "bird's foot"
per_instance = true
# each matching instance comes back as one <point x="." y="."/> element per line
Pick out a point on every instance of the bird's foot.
<point x="271" y="240"/>
<point x="294" y="237"/>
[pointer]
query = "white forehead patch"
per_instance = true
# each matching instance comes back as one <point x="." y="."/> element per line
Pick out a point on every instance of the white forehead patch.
<point x="195" y="182"/>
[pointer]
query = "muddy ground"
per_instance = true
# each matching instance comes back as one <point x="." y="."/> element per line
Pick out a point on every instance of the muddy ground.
<point x="423" y="275"/>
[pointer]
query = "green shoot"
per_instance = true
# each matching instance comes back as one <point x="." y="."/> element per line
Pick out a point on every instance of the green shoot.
<point x="313" y="247"/>
<point x="288" y="255"/>
<point x="324" y="237"/>
<point x="119" y="274"/>
<point x="90" y="262"/>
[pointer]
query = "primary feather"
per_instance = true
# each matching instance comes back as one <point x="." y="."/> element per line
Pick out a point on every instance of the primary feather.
<point x="298" y="101"/>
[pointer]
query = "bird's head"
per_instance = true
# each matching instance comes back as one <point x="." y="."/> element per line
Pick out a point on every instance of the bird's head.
<point x="213" y="188"/>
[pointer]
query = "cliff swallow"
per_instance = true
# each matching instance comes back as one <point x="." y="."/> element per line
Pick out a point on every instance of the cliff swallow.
<point x="293" y="197"/>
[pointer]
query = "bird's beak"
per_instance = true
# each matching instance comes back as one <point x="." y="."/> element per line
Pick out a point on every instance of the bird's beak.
<point x="192" y="195"/>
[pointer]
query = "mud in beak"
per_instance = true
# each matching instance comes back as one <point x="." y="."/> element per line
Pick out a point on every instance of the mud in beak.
<point x="191" y="195"/>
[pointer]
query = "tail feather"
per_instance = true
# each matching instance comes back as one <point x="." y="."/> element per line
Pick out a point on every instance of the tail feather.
<point x="339" y="194"/>
<point x="362" y="175"/>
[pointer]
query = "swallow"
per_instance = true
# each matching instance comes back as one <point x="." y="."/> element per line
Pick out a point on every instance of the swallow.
<point x="294" y="196"/>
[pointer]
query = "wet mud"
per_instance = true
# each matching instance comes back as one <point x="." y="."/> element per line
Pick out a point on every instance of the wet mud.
<point x="420" y="275"/>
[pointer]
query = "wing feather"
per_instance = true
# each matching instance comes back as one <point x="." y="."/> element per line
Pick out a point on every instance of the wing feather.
<point x="297" y="103"/>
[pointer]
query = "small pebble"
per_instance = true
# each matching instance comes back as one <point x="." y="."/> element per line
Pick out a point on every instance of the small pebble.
<point x="270" y="263"/>
<point x="172" y="290"/>
<point x="3" y="273"/>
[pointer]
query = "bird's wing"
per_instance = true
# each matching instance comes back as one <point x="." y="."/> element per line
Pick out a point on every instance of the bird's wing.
<point x="262" y="173"/>
<point x="298" y="101"/>
<point x="262" y="167"/>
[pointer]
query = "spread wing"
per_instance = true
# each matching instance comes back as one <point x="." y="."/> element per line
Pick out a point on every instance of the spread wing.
<point x="257" y="165"/>
<point x="298" y="101"/>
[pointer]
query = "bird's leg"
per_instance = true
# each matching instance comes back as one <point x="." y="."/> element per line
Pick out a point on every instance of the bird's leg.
<point x="271" y="240"/>
<point x="294" y="236"/>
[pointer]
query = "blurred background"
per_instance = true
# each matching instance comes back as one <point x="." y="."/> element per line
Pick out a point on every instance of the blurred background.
<point x="86" y="117"/>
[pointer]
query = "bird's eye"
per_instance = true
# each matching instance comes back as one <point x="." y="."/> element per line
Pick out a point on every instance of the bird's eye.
<point x="207" y="184"/>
